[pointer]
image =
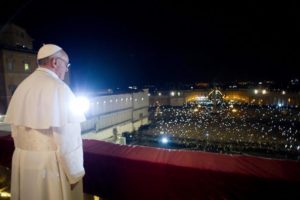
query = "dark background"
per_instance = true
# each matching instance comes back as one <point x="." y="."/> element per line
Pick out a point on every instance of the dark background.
<point x="121" y="43"/>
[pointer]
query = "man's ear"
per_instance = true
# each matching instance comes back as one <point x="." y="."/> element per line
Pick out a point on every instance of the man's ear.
<point x="53" y="62"/>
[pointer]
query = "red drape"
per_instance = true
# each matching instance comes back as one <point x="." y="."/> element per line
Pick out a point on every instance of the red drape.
<point x="135" y="172"/>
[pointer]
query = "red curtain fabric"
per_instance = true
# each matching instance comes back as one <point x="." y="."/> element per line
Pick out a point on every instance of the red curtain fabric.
<point x="135" y="172"/>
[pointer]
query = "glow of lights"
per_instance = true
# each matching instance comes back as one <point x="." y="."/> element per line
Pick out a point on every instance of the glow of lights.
<point x="255" y="91"/>
<point x="283" y="92"/>
<point x="159" y="94"/>
<point x="5" y="194"/>
<point x="234" y="110"/>
<point x="149" y="94"/>
<point x="164" y="140"/>
<point x="80" y="105"/>
<point x="96" y="198"/>
<point x="264" y="91"/>
<point x="230" y="106"/>
<point x="178" y="93"/>
<point x="172" y="93"/>
<point x="279" y="104"/>
<point x="230" y="126"/>
<point x="202" y="98"/>
<point x="132" y="87"/>
<point x="196" y="110"/>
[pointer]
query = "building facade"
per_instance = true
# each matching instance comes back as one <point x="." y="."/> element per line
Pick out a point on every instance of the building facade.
<point x="17" y="61"/>
<point x="254" y="96"/>
<point x="114" y="114"/>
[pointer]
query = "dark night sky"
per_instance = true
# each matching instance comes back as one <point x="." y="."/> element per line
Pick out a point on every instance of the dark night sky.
<point x="115" y="44"/>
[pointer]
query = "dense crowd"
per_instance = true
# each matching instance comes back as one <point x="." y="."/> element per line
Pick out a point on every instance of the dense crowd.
<point x="240" y="127"/>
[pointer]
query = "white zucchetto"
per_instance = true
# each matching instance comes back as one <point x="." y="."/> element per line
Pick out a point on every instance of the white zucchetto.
<point x="47" y="50"/>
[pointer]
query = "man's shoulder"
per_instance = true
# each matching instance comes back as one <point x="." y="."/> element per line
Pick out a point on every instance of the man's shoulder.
<point x="47" y="78"/>
<point x="42" y="81"/>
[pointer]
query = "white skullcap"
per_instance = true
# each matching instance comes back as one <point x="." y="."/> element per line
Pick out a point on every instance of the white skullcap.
<point x="47" y="50"/>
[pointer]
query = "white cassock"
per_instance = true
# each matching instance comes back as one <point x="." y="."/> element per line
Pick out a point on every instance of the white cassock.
<point x="48" y="154"/>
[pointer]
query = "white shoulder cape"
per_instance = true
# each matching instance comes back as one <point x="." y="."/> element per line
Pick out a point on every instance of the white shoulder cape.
<point x="42" y="101"/>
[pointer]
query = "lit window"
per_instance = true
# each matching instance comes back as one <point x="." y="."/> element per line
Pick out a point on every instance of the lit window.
<point x="26" y="67"/>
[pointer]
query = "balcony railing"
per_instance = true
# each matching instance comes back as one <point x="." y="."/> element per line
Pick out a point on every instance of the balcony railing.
<point x="135" y="172"/>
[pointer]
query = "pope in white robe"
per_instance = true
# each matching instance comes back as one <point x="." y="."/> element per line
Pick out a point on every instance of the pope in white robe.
<point x="47" y="162"/>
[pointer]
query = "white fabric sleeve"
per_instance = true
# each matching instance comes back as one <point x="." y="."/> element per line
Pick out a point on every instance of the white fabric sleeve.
<point x="70" y="152"/>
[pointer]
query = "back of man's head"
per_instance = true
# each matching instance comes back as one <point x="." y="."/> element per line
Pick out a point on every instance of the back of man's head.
<point x="47" y="50"/>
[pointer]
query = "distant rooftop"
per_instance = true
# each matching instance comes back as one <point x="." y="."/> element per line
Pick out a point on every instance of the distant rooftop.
<point x="15" y="37"/>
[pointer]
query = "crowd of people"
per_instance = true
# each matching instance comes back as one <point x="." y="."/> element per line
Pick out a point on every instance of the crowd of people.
<point x="241" y="128"/>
